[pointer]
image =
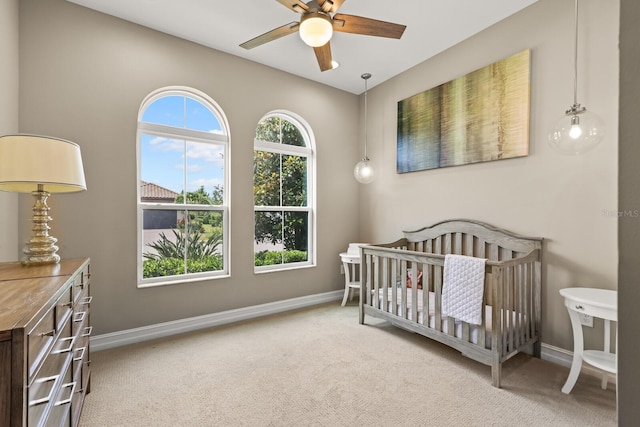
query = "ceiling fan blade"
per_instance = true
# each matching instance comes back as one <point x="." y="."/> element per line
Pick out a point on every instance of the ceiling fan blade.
<point x="330" y="6"/>
<point x="367" y="26"/>
<point x="323" y="54"/>
<point x="274" y="34"/>
<point x="294" y="5"/>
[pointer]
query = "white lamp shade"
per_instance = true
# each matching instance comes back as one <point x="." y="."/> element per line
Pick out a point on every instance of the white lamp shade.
<point x="29" y="160"/>
<point x="577" y="134"/>
<point x="316" y="29"/>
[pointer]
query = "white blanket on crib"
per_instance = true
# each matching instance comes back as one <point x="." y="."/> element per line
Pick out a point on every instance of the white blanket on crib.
<point x="463" y="288"/>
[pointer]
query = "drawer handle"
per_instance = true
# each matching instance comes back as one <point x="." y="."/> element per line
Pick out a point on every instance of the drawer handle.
<point x="79" y="317"/>
<point x="81" y="350"/>
<point x="67" y="349"/>
<point x="66" y="304"/>
<point x="87" y="331"/>
<point x="579" y="307"/>
<point x="87" y="300"/>
<point x="68" y="400"/>
<point x="80" y="285"/>
<point x="52" y="379"/>
<point x="48" y="333"/>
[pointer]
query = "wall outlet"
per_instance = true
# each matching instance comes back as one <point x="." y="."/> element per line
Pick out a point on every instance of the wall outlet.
<point x="586" y="320"/>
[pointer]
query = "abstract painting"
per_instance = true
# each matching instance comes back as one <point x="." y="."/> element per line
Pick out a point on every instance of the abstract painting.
<point x="479" y="117"/>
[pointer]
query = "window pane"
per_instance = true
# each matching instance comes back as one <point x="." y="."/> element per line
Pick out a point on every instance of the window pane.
<point x="168" y="110"/>
<point x="294" y="180"/>
<point x="204" y="241"/>
<point x="171" y="237"/>
<point x="291" y="134"/>
<point x="199" y="117"/>
<point x="277" y="130"/>
<point x="268" y="238"/>
<point x="205" y="173"/>
<point x="296" y="236"/>
<point x="266" y="178"/>
<point x="162" y="243"/>
<point x="162" y="164"/>
<point x="269" y="130"/>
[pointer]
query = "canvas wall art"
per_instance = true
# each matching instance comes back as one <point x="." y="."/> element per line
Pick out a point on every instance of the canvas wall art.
<point x="479" y="117"/>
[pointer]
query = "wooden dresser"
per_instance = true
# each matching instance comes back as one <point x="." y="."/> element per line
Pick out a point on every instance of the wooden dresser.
<point x="44" y="343"/>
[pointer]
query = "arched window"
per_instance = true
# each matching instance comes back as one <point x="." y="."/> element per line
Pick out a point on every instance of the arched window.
<point x="283" y="193"/>
<point x="183" y="188"/>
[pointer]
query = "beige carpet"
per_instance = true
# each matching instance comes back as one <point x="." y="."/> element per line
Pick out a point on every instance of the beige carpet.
<point x="319" y="367"/>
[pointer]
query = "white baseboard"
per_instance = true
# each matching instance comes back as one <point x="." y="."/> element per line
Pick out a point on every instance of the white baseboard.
<point x="131" y="336"/>
<point x="564" y="357"/>
<point x="160" y="330"/>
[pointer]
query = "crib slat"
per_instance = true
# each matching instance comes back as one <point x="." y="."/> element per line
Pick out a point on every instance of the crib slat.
<point x="530" y="312"/>
<point x="367" y="288"/>
<point x="385" y="283"/>
<point x="425" y="296"/>
<point x="465" y="332"/>
<point x="376" y="283"/>
<point x="518" y="305"/>
<point x="451" y="326"/>
<point x="403" y="281"/>
<point x="446" y="244"/>
<point x="414" y="292"/>
<point x="510" y="307"/>
<point x="457" y="244"/>
<point x="481" y="329"/>
<point x="438" y="297"/>
<point x="394" y="293"/>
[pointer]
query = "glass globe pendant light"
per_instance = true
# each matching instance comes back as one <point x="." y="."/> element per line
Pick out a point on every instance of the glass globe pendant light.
<point x="364" y="171"/>
<point x="579" y="130"/>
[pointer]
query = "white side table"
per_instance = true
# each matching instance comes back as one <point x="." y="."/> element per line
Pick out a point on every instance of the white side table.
<point x="599" y="303"/>
<point x="351" y="264"/>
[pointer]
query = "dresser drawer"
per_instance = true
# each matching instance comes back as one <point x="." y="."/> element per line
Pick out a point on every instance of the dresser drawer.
<point x="64" y="307"/>
<point x="81" y="284"/>
<point x="46" y="389"/>
<point x="40" y="339"/>
<point x="80" y="317"/>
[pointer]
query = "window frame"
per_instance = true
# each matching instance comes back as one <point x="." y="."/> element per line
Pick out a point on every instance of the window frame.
<point x="309" y="152"/>
<point x="222" y="139"/>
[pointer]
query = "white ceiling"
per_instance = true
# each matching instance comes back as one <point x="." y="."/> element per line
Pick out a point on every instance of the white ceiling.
<point x="432" y="27"/>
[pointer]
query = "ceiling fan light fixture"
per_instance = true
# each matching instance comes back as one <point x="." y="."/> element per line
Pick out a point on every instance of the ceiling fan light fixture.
<point x="316" y="29"/>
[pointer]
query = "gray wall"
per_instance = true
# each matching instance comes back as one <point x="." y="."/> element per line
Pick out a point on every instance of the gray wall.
<point x="8" y="120"/>
<point x="568" y="200"/>
<point x="83" y="77"/>
<point x="629" y="227"/>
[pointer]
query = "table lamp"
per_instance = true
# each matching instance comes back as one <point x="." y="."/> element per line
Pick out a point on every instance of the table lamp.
<point x="40" y="165"/>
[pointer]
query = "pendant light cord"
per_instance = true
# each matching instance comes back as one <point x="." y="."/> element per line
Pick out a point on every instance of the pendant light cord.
<point x="365" y="77"/>
<point x="575" y="59"/>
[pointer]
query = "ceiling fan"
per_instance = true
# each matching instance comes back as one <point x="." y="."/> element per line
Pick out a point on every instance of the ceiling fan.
<point x="318" y="22"/>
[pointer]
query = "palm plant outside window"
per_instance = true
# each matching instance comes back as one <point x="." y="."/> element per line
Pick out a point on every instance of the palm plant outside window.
<point x="183" y="188"/>
<point x="283" y="165"/>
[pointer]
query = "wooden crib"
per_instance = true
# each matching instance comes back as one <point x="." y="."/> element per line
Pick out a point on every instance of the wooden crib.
<point x="511" y="315"/>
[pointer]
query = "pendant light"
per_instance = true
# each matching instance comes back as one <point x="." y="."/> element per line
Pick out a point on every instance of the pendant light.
<point x="578" y="130"/>
<point x="364" y="171"/>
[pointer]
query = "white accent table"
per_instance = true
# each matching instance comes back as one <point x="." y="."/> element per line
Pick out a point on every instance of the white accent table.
<point x="599" y="303"/>
<point x="351" y="264"/>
